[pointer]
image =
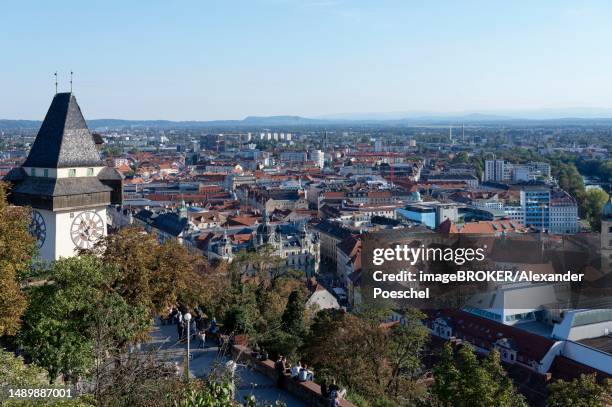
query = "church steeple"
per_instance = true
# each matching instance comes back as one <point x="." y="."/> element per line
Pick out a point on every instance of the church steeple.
<point x="183" y="209"/>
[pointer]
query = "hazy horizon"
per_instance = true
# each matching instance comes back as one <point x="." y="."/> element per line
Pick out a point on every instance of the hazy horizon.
<point x="493" y="115"/>
<point x="312" y="58"/>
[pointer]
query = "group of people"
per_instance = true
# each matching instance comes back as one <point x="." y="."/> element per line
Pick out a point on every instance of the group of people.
<point x="201" y="326"/>
<point x="300" y="372"/>
<point x="198" y="328"/>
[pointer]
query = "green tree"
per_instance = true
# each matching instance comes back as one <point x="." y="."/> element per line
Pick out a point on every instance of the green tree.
<point x="583" y="391"/>
<point x="15" y="373"/>
<point x="478" y="164"/>
<point x="112" y="151"/>
<point x="241" y="317"/>
<point x="461" y="380"/>
<point x="504" y="392"/>
<point x="570" y="180"/>
<point x="261" y="263"/>
<point x="255" y="297"/>
<point x="594" y="201"/>
<point x="474" y="382"/>
<point x="152" y="275"/>
<point x="287" y="337"/>
<point x="446" y="374"/>
<point x="461" y="158"/>
<point x="142" y="378"/>
<point x="212" y="394"/>
<point x="64" y="315"/>
<point x="16" y="250"/>
<point x="293" y="317"/>
<point x="387" y="360"/>
<point x="407" y="342"/>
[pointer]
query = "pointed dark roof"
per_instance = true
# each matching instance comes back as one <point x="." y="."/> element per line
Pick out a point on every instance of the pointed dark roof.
<point x="63" y="139"/>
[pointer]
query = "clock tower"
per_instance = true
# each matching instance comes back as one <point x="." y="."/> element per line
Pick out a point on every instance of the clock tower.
<point x="65" y="183"/>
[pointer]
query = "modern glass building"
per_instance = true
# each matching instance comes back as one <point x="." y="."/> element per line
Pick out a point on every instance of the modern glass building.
<point x="535" y="202"/>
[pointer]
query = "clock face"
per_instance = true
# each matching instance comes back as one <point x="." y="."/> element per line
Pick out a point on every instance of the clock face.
<point x="87" y="228"/>
<point x="38" y="228"/>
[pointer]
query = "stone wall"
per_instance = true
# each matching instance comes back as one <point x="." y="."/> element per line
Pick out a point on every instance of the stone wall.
<point x="308" y="391"/>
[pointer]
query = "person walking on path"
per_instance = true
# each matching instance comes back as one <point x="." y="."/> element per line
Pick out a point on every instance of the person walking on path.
<point x="202" y="336"/>
<point x="179" y="329"/>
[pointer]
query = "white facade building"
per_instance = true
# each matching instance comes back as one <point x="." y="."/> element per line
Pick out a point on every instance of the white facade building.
<point x="502" y="171"/>
<point x="294" y="156"/>
<point x="318" y="157"/>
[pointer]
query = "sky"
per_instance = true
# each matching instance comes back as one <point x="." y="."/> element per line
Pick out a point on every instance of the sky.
<point x="207" y="60"/>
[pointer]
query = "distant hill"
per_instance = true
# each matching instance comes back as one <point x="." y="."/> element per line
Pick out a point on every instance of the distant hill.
<point x="488" y="115"/>
<point x="19" y="124"/>
<point x="280" y="120"/>
<point x="251" y="121"/>
<point x="391" y="119"/>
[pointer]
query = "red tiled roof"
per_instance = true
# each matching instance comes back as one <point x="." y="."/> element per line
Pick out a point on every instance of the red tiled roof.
<point x="241" y="220"/>
<point x="483" y="227"/>
<point x="333" y="195"/>
<point x="484" y="333"/>
<point x="124" y="168"/>
<point x="241" y="237"/>
<point x="209" y="188"/>
<point x="379" y="194"/>
<point x="135" y="180"/>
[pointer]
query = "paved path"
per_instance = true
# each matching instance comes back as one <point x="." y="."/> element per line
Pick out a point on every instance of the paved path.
<point x="248" y="381"/>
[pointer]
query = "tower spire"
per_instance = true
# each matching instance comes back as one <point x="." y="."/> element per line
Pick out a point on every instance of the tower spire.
<point x="183" y="208"/>
<point x="71" y="81"/>
<point x="55" y="74"/>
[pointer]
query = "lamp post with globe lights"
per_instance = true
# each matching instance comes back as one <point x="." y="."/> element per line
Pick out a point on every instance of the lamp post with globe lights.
<point x="187" y="317"/>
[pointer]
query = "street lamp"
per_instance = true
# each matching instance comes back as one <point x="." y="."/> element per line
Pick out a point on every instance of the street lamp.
<point x="187" y="317"/>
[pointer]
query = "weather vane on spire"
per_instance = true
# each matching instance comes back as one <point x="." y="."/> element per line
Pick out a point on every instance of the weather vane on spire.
<point x="71" y="81"/>
<point x="55" y="74"/>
